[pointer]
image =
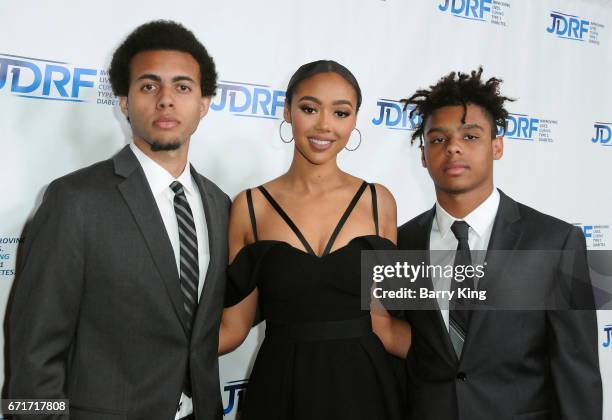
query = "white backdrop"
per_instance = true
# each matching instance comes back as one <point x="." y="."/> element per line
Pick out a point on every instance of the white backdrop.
<point x="58" y="114"/>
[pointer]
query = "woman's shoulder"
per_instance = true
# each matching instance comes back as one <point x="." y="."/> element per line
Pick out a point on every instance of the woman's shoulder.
<point x="384" y="195"/>
<point x="241" y="197"/>
<point x="386" y="211"/>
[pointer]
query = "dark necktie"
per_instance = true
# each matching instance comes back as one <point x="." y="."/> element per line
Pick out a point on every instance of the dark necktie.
<point x="190" y="272"/>
<point x="459" y="316"/>
<point x="188" y="240"/>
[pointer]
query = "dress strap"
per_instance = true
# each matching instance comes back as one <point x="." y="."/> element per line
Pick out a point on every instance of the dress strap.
<point x="374" y="207"/>
<point x="345" y="216"/>
<point x="252" y="213"/>
<point x="287" y="219"/>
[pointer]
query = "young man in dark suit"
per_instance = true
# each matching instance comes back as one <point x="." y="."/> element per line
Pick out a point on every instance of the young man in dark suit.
<point x="118" y="301"/>
<point x="493" y="364"/>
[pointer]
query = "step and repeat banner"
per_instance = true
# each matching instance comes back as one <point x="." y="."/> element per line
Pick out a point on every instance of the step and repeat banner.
<point x="59" y="113"/>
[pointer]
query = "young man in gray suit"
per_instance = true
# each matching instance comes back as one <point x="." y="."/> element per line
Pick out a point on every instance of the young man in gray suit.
<point x="118" y="301"/>
<point x="494" y="364"/>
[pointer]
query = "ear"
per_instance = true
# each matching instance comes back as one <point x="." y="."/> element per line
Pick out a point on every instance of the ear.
<point x="423" y="161"/>
<point x="205" y="105"/>
<point x="123" y="104"/>
<point x="287" y="113"/>
<point x="498" y="147"/>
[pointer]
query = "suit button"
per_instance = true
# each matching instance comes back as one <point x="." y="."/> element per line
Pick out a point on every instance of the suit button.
<point x="462" y="376"/>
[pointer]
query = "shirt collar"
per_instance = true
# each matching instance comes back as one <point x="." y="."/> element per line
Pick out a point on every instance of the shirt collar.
<point x="159" y="178"/>
<point x="480" y="219"/>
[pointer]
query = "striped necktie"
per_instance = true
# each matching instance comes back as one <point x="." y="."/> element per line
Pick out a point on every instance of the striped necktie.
<point x="459" y="315"/>
<point x="190" y="272"/>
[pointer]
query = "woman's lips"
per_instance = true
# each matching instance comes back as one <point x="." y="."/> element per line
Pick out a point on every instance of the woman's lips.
<point x="319" y="144"/>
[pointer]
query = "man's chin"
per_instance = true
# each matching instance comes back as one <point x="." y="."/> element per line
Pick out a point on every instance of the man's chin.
<point x="454" y="188"/>
<point x="164" y="147"/>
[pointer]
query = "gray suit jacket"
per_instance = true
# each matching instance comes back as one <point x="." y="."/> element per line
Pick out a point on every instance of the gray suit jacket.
<point x="97" y="313"/>
<point x="515" y="364"/>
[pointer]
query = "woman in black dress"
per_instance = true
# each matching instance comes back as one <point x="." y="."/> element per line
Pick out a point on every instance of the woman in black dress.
<point x="295" y="247"/>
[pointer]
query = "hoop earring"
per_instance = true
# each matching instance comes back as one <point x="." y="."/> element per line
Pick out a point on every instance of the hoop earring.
<point x="358" y="144"/>
<point x="280" y="133"/>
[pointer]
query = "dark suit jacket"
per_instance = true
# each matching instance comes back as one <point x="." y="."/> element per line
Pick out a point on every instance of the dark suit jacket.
<point x="518" y="364"/>
<point x="97" y="315"/>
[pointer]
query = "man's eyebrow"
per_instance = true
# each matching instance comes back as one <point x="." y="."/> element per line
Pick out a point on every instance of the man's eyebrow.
<point x="182" y="78"/>
<point x="436" y="130"/>
<point x="156" y="78"/>
<point x="468" y="126"/>
<point x="149" y="76"/>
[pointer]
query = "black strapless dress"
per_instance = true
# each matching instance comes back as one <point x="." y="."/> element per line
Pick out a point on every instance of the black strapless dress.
<point x="319" y="359"/>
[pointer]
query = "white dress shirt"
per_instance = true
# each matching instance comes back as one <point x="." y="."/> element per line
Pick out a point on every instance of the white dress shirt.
<point x="442" y="238"/>
<point x="159" y="180"/>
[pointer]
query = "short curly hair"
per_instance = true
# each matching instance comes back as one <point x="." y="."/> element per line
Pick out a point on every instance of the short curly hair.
<point x="161" y="35"/>
<point x="460" y="89"/>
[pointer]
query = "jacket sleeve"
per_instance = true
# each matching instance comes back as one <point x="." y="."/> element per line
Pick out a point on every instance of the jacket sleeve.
<point x="45" y="307"/>
<point x="573" y="338"/>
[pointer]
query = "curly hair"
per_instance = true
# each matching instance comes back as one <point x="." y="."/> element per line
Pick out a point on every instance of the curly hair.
<point x="161" y="35"/>
<point x="459" y="89"/>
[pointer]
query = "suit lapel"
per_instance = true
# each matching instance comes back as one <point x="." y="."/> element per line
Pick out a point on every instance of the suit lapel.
<point x="505" y="235"/>
<point x="435" y="316"/>
<point x="139" y="198"/>
<point x="506" y="232"/>
<point x="422" y="238"/>
<point x="211" y="212"/>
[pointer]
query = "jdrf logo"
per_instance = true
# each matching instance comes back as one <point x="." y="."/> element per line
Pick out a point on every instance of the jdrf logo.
<point x="597" y="236"/>
<point x="44" y="79"/>
<point x="568" y="26"/>
<point x="608" y="335"/>
<point x="393" y="116"/>
<point x="235" y="390"/>
<point x="587" y="230"/>
<point x="467" y="9"/>
<point x="603" y="133"/>
<point x="526" y="127"/>
<point x="521" y="126"/>
<point x="249" y="100"/>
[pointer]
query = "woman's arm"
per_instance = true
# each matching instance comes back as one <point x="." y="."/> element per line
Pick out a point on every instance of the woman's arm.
<point x="236" y="323"/>
<point x="394" y="333"/>
<point x="237" y="320"/>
